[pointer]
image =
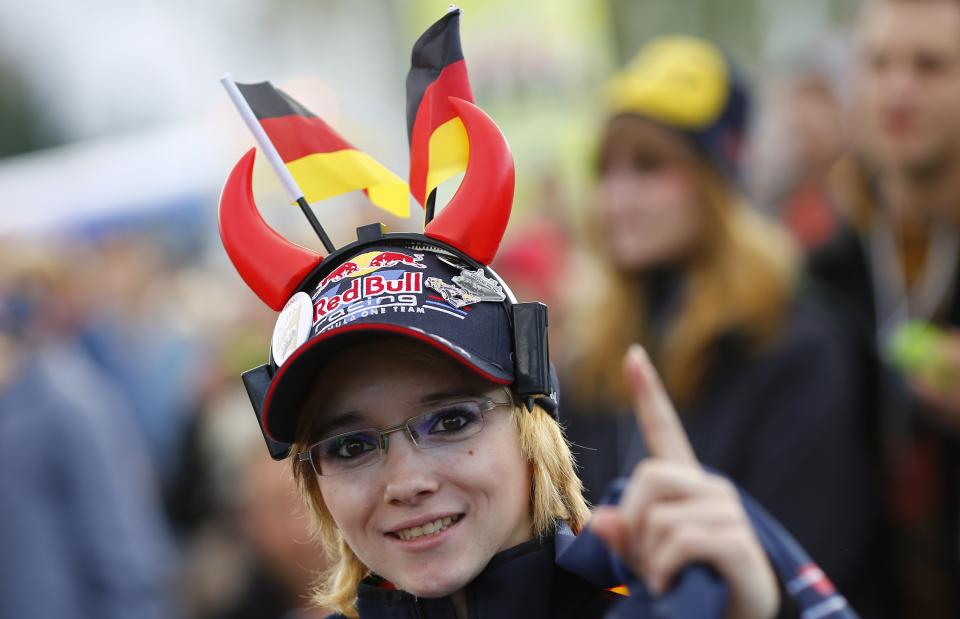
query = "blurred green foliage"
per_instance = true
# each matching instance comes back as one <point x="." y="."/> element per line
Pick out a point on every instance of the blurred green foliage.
<point x="743" y="27"/>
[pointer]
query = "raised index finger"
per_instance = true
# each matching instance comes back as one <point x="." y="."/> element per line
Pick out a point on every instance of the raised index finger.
<point x="656" y="417"/>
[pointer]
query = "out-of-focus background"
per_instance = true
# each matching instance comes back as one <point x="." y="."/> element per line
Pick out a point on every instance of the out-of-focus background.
<point x="126" y="440"/>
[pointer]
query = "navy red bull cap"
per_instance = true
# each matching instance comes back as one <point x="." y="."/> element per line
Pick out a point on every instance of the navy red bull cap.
<point x="434" y="287"/>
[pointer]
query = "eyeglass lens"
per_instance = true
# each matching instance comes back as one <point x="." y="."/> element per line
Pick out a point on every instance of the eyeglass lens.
<point x="448" y="424"/>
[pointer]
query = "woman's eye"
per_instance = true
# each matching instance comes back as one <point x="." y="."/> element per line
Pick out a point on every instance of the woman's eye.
<point x="647" y="163"/>
<point x="602" y="166"/>
<point x="453" y="421"/>
<point x="350" y="447"/>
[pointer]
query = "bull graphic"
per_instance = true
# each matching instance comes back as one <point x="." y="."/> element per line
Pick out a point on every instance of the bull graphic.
<point x="339" y="273"/>
<point x="393" y="258"/>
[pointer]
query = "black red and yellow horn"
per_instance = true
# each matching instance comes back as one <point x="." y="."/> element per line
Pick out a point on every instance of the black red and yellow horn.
<point x="476" y="217"/>
<point x="270" y="265"/>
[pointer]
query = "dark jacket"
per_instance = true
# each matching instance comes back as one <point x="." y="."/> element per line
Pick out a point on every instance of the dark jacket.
<point x="567" y="576"/>
<point x="781" y="423"/>
<point x="522" y="582"/>
<point x="922" y="462"/>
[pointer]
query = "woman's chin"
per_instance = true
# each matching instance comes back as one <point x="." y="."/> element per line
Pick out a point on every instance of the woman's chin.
<point x="434" y="585"/>
<point x="638" y="264"/>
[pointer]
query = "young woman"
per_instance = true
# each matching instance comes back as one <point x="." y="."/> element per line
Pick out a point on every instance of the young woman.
<point x="414" y="395"/>
<point x="762" y="380"/>
<point x="461" y="518"/>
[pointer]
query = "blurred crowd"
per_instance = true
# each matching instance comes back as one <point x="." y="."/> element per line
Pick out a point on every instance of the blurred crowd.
<point x="786" y="246"/>
<point x="150" y="495"/>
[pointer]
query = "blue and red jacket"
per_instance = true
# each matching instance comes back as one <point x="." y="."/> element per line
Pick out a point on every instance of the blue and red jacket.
<point x="569" y="577"/>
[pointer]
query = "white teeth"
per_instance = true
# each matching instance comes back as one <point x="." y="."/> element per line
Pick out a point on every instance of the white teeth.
<point x="427" y="529"/>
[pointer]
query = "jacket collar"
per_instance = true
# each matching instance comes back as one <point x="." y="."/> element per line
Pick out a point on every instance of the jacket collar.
<point x="517" y="582"/>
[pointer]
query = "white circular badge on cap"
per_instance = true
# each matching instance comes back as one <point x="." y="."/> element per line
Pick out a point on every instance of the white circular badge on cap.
<point x="293" y="327"/>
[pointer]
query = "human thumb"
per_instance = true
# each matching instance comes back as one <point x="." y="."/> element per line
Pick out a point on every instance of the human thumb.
<point x="608" y="525"/>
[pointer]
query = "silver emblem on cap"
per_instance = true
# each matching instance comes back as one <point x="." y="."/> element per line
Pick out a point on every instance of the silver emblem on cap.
<point x="479" y="285"/>
<point x="470" y="287"/>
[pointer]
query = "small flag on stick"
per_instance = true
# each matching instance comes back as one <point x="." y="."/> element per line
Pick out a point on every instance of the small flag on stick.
<point x="439" y="147"/>
<point x="319" y="163"/>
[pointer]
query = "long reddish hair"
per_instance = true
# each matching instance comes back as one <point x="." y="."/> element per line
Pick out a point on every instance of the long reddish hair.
<point x="739" y="279"/>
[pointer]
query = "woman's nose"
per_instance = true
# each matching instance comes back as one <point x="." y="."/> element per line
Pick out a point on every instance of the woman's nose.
<point x="619" y="188"/>
<point x="410" y="472"/>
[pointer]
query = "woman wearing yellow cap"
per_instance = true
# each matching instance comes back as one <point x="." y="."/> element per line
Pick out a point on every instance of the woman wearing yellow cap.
<point x="764" y="385"/>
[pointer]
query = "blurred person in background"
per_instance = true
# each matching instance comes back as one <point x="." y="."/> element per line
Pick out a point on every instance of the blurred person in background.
<point x="248" y="548"/>
<point x="80" y="525"/>
<point x="136" y="330"/>
<point x="277" y="525"/>
<point x="536" y="260"/>
<point x="760" y="376"/>
<point x="799" y="138"/>
<point x="894" y="271"/>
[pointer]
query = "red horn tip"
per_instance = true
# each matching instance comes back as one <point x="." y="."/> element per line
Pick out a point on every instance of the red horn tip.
<point x="270" y="265"/>
<point x="476" y="217"/>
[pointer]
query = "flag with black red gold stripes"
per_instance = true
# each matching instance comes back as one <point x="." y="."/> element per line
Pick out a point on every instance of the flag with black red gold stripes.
<point x="322" y="163"/>
<point x="438" y="141"/>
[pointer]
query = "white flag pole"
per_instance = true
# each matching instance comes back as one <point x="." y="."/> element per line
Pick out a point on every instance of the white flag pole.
<point x="270" y="151"/>
<point x="261" y="137"/>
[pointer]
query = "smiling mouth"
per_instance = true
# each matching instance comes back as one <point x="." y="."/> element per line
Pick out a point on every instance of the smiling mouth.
<point x="425" y="530"/>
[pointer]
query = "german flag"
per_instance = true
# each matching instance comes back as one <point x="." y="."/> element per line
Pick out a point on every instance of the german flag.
<point x="438" y="142"/>
<point x="323" y="163"/>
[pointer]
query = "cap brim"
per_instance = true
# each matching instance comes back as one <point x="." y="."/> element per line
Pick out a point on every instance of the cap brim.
<point x="292" y="382"/>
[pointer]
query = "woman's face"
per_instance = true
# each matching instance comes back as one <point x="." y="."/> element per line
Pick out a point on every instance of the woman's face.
<point x="482" y="483"/>
<point x="649" y="210"/>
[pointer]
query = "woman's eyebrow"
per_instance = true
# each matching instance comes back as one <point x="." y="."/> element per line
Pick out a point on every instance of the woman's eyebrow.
<point x="333" y="425"/>
<point x="450" y="394"/>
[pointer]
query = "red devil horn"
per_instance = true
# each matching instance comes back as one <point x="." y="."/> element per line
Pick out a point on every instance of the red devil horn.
<point x="475" y="219"/>
<point x="271" y="265"/>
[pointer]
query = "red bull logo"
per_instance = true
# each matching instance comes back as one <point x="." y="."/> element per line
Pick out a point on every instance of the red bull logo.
<point x="370" y="262"/>
<point x="367" y="287"/>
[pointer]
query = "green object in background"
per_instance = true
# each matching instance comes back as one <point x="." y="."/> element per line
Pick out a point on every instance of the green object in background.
<point x="916" y="348"/>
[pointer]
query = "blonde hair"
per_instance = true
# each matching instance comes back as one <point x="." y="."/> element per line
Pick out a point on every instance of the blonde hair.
<point x="556" y="494"/>
<point x="740" y="279"/>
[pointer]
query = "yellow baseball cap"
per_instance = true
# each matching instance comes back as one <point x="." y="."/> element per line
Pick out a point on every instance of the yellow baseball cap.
<point x="679" y="80"/>
<point x="685" y="83"/>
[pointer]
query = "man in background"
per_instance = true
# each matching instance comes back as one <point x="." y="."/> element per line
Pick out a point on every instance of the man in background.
<point x="893" y="271"/>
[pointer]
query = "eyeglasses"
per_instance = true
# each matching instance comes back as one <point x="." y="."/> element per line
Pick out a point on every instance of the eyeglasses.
<point x="450" y="422"/>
